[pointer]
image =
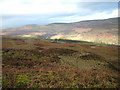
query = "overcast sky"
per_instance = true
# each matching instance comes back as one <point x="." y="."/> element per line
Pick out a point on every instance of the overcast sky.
<point x="21" y="12"/>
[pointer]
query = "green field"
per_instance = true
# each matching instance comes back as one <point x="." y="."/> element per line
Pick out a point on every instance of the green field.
<point x="74" y="41"/>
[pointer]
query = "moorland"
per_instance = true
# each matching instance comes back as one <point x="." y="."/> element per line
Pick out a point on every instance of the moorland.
<point x="38" y="63"/>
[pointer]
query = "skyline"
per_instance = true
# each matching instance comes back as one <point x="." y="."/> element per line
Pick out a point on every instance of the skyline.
<point x="23" y="12"/>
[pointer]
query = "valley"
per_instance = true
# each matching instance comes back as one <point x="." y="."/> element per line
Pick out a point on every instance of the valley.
<point x="96" y="31"/>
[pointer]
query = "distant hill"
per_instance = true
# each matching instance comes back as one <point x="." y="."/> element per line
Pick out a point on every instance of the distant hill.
<point x="100" y="31"/>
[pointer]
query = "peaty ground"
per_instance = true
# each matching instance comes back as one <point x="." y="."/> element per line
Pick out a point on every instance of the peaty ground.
<point x="35" y="63"/>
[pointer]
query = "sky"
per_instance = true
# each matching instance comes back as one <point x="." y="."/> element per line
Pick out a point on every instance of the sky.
<point x="15" y="13"/>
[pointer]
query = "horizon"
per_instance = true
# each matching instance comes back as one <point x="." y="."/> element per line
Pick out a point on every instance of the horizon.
<point x="57" y="23"/>
<point x="24" y="12"/>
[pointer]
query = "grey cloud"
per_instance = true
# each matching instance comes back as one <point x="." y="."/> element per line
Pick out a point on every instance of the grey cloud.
<point x="90" y="9"/>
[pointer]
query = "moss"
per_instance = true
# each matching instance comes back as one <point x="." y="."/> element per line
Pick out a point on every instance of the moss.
<point x="22" y="81"/>
<point x="111" y="85"/>
<point x="8" y="81"/>
<point x="8" y="54"/>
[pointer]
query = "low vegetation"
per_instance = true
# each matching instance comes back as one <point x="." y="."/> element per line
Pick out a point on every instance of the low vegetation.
<point x="35" y="63"/>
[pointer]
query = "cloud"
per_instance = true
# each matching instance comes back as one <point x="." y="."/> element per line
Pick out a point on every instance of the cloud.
<point x="21" y="7"/>
<point x="75" y="18"/>
<point x="20" y="20"/>
<point x="21" y="12"/>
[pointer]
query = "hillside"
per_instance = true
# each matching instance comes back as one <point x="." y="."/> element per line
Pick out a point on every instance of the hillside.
<point x="36" y="63"/>
<point x="98" y="31"/>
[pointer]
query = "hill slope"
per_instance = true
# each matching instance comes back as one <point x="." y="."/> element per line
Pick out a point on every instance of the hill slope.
<point x="35" y="63"/>
<point x="100" y="31"/>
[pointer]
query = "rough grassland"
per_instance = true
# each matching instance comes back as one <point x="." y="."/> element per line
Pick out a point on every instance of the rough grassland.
<point x="35" y="63"/>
